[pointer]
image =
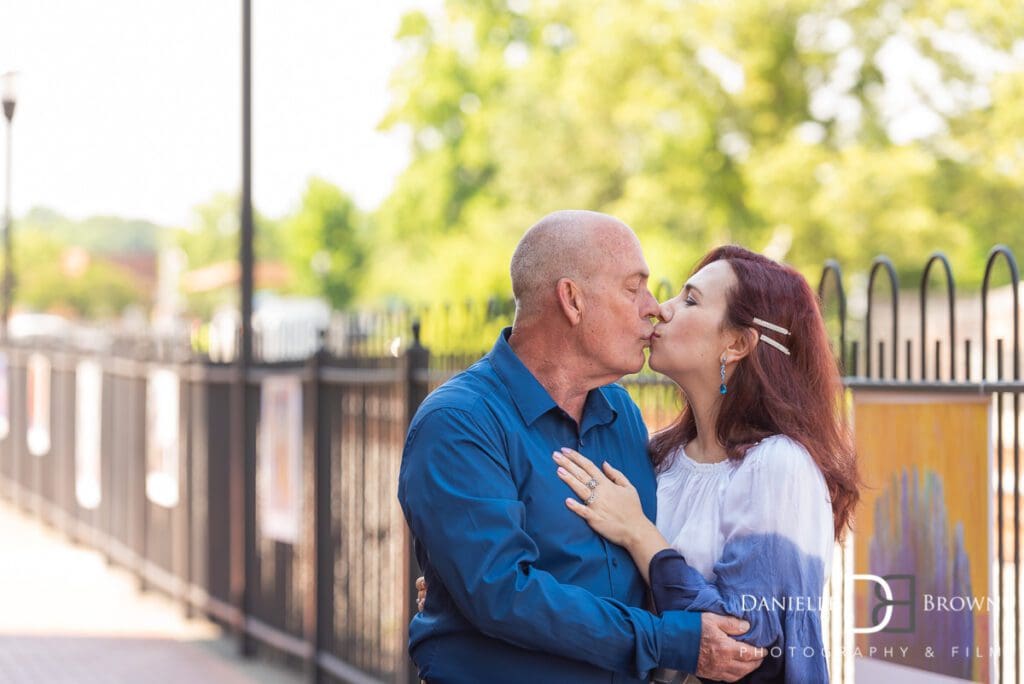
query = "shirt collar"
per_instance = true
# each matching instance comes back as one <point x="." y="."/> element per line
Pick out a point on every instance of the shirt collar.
<point x="597" y="410"/>
<point x="531" y="399"/>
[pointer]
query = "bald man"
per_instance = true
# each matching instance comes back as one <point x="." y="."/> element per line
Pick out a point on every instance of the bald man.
<point x="521" y="589"/>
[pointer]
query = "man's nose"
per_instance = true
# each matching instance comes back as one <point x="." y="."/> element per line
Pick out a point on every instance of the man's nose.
<point x="651" y="308"/>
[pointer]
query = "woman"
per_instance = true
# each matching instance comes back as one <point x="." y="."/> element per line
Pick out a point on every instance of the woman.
<point x="756" y="478"/>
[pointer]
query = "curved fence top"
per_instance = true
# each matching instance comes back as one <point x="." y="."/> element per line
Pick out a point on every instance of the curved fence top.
<point x="880" y="263"/>
<point x="938" y="257"/>
<point x="994" y="254"/>
<point x="833" y="268"/>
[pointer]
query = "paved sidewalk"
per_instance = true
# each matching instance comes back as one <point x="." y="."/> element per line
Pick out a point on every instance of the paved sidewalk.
<point x="66" y="617"/>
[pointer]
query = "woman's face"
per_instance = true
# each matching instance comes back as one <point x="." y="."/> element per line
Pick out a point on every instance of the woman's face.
<point x="689" y="340"/>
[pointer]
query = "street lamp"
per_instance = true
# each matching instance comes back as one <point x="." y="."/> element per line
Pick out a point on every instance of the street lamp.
<point x="9" y="100"/>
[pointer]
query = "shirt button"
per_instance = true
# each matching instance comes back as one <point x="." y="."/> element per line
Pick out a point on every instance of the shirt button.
<point x="615" y="562"/>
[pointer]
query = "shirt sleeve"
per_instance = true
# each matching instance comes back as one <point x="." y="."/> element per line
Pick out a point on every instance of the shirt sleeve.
<point x="777" y="527"/>
<point x="462" y="505"/>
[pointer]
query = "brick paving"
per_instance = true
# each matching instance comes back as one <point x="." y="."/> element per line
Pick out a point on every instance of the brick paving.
<point x="68" y="617"/>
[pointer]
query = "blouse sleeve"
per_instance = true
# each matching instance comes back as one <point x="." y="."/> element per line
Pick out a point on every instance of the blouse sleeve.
<point x="778" y="536"/>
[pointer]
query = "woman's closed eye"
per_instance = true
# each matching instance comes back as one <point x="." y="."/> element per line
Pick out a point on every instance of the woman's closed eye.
<point x="690" y="301"/>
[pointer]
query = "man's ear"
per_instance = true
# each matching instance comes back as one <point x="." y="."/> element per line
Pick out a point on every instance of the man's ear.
<point x="570" y="299"/>
<point x="741" y="344"/>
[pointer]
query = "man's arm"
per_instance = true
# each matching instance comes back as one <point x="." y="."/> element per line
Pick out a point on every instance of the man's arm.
<point x="463" y="507"/>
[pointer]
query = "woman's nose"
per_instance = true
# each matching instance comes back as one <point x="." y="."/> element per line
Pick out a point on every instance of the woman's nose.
<point x="665" y="311"/>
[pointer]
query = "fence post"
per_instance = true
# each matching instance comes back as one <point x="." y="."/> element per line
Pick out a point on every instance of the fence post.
<point x="186" y="503"/>
<point x="18" y="374"/>
<point x="238" y="500"/>
<point x="417" y="385"/>
<point x="138" y="453"/>
<point x="318" y="610"/>
<point x="6" y="491"/>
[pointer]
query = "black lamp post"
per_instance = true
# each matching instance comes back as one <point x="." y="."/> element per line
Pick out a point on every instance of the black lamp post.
<point x="244" y="581"/>
<point x="9" y="100"/>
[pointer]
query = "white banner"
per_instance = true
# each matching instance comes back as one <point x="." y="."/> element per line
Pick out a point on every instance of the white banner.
<point x="88" y="428"/>
<point x="279" y="458"/>
<point x="162" y="437"/>
<point x="5" y="400"/>
<point x="38" y="405"/>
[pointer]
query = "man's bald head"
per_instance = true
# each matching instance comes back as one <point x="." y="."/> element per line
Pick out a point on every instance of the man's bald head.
<point x="573" y="244"/>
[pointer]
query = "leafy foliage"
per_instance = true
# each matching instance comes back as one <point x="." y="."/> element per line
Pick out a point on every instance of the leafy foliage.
<point x="325" y="244"/>
<point x="804" y="129"/>
<point x="46" y="280"/>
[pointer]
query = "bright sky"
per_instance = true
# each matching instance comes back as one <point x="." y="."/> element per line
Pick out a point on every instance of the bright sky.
<point x="133" y="107"/>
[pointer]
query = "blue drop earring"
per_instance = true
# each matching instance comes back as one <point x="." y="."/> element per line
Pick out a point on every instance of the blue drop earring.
<point x="723" y="389"/>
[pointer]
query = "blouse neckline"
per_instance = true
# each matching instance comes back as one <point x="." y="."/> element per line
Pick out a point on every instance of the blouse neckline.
<point x="684" y="459"/>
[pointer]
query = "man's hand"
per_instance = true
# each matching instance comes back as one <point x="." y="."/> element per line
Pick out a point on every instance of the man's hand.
<point x="722" y="657"/>
<point x="421" y="593"/>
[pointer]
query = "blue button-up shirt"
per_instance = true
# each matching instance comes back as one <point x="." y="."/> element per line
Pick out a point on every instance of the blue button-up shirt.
<point x="520" y="588"/>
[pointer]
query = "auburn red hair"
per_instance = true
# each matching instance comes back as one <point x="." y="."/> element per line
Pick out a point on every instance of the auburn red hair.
<point x="800" y="395"/>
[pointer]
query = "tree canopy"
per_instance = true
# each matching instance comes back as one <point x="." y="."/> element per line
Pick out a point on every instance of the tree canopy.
<point x="807" y="130"/>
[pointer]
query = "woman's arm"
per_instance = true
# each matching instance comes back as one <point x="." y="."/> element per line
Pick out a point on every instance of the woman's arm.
<point x="612" y="507"/>
<point x="745" y="585"/>
<point x="643" y="545"/>
<point x="776" y="521"/>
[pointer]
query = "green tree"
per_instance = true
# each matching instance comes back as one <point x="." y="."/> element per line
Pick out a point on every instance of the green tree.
<point x="792" y="127"/>
<point x="325" y="244"/>
<point x="100" y="290"/>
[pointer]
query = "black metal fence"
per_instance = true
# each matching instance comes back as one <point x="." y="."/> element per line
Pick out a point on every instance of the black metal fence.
<point x="336" y="600"/>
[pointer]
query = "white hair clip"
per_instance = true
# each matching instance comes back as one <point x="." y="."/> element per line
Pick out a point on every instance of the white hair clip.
<point x="774" y="328"/>
<point x="771" y="326"/>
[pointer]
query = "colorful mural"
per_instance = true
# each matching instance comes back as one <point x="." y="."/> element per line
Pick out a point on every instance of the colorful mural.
<point x="924" y="526"/>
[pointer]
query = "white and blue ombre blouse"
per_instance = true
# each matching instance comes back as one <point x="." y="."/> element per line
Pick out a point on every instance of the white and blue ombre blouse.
<point x="753" y="539"/>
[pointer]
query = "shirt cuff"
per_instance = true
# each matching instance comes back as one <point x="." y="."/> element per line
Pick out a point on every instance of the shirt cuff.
<point x="665" y="570"/>
<point x="680" y="640"/>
